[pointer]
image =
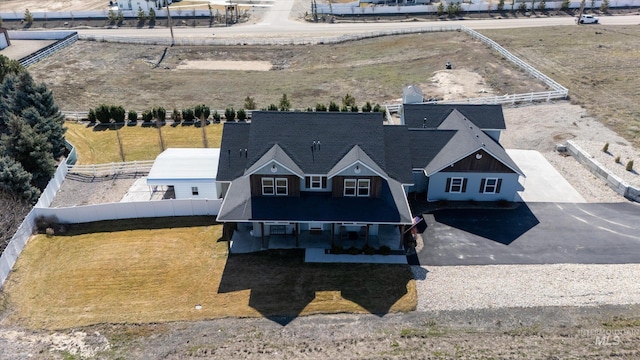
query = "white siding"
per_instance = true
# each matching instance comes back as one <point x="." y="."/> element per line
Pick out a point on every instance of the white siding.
<point x="438" y="183"/>
<point x="205" y="190"/>
<point x="361" y="171"/>
<point x="269" y="168"/>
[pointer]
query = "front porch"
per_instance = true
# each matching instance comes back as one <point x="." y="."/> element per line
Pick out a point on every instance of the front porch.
<point x="243" y="240"/>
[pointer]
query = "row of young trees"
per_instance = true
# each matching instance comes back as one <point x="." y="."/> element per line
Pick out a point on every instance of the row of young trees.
<point x="454" y="8"/>
<point x="106" y="114"/>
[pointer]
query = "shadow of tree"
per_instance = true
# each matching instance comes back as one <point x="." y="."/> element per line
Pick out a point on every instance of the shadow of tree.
<point x="282" y="285"/>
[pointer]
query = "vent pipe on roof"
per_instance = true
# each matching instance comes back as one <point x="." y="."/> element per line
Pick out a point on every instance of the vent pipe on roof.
<point x="424" y="123"/>
<point x="246" y="152"/>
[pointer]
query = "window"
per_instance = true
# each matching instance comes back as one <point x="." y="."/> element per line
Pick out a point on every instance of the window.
<point x="456" y="185"/>
<point x="194" y="190"/>
<point x="277" y="186"/>
<point x="350" y="187"/>
<point x="357" y="187"/>
<point x="363" y="187"/>
<point x="315" y="182"/>
<point x="267" y="186"/>
<point x="281" y="186"/>
<point x="490" y="185"/>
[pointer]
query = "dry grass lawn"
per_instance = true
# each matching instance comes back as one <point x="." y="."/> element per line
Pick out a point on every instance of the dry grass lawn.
<point x="116" y="273"/>
<point x="139" y="143"/>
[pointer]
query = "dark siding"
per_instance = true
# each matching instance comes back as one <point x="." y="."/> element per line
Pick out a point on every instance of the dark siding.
<point x="486" y="164"/>
<point x="375" y="190"/>
<point x="293" y="183"/>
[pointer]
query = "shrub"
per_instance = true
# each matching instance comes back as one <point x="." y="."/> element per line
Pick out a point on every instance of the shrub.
<point x="229" y="114"/>
<point x="605" y="148"/>
<point x="321" y="107"/>
<point x="354" y="108"/>
<point x="348" y="100"/>
<point x="241" y="115"/>
<point x="112" y="16"/>
<point x="500" y="5"/>
<point x="188" y="115"/>
<point x="147" y="115"/>
<point x="117" y="113"/>
<point x="44" y="222"/>
<point x="272" y="107"/>
<point x="522" y="7"/>
<point x="249" y="103"/>
<point x="176" y="116"/>
<point x="629" y="166"/>
<point x="92" y="116"/>
<point x="367" y="107"/>
<point x="152" y="14"/>
<point x="344" y="109"/>
<point x="440" y="10"/>
<point x="160" y="113"/>
<point x="333" y="106"/>
<point x="604" y="7"/>
<point x="216" y="116"/>
<point x="201" y="111"/>
<point x="617" y="160"/>
<point x="385" y="250"/>
<point x="354" y="250"/>
<point x="565" y="5"/>
<point x="103" y="114"/>
<point x="142" y="16"/>
<point x="543" y="5"/>
<point x="368" y="250"/>
<point x="132" y="116"/>
<point x="337" y="249"/>
<point x="378" y="108"/>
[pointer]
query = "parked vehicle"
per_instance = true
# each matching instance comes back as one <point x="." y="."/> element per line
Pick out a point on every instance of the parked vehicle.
<point x="587" y="19"/>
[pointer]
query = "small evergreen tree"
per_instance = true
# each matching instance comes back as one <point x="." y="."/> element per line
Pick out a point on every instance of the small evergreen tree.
<point x="120" y="17"/>
<point x="229" y="114"/>
<point x="188" y="115"/>
<point x="344" y="109"/>
<point x="565" y="5"/>
<point x="152" y="15"/>
<point x="249" y="103"/>
<point x="117" y="113"/>
<point x="440" y="9"/>
<point x="216" y="116"/>
<point x="354" y="108"/>
<point x="542" y="6"/>
<point x="321" y="107"/>
<point x="241" y="115"/>
<point x="500" y="5"/>
<point x="378" y="108"/>
<point x="272" y="107"/>
<point x="147" y="115"/>
<point x="142" y="16"/>
<point x="629" y="166"/>
<point x="285" y="105"/>
<point x="176" y="116"/>
<point x="333" y="106"/>
<point x="103" y="114"/>
<point x="201" y="111"/>
<point x="132" y="116"/>
<point x="160" y="113"/>
<point x="112" y="17"/>
<point x="367" y="107"/>
<point x="28" y="17"/>
<point x="15" y="179"/>
<point x="605" y="148"/>
<point x="604" y="7"/>
<point x="348" y="101"/>
<point x="522" y="7"/>
<point x="91" y="116"/>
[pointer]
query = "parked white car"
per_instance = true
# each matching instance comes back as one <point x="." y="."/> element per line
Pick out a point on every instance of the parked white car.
<point x="587" y="19"/>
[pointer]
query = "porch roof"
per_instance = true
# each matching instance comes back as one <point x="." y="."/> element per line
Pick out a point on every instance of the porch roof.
<point x="390" y="208"/>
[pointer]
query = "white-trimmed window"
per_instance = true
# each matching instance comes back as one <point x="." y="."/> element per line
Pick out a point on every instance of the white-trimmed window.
<point x="194" y="190"/>
<point x="281" y="186"/>
<point x="490" y="185"/>
<point x="268" y="187"/>
<point x="456" y="185"/>
<point x="350" y="187"/>
<point x="363" y="187"/>
<point x="315" y="182"/>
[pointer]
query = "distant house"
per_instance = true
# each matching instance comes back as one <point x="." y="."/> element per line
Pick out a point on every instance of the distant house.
<point x="187" y="173"/>
<point x="4" y="38"/>
<point x="134" y="5"/>
<point x="348" y="174"/>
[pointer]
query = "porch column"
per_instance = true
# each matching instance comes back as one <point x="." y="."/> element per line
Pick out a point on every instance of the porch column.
<point x="297" y="237"/>
<point x="366" y="235"/>
<point x="262" y="234"/>
<point x="333" y="232"/>
<point x="402" y="230"/>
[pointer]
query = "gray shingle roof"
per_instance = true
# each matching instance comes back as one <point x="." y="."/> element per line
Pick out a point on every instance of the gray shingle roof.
<point x="486" y="117"/>
<point x="233" y="159"/>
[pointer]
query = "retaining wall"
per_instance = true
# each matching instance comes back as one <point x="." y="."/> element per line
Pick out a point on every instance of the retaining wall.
<point x="616" y="183"/>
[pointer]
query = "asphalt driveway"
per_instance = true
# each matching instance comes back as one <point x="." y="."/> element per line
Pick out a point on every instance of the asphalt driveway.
<point x="533" y="233"/>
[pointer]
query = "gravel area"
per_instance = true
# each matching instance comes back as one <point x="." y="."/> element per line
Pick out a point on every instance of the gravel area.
<point x="504" y="286"/>
<point x="85" y="191"/>
<point x="624" y="150"/>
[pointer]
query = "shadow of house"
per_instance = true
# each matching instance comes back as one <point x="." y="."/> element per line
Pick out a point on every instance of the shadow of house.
<point x="500" y="225"/>
<point x="282" y="285"/>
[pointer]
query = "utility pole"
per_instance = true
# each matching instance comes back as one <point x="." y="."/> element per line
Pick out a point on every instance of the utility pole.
<point x="173" y="42"/>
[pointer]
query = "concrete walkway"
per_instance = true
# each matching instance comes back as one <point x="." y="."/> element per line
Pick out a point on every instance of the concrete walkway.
<point x="543" y="182"/>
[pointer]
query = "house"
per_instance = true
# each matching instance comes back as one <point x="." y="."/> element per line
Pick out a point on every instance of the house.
<point x="145" y="5"/>
<point x="186" y="173"/>
<point x="347" y="175"/>
<point x="456" y="154"/>
<point x="300" y="174"/>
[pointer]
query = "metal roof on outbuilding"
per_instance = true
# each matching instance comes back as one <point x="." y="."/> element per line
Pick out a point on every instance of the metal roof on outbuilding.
<point x="184" y="164"/>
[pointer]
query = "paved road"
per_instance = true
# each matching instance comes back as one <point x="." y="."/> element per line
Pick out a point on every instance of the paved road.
<point x="276" y="24"/>
<point x="535" y="233"/>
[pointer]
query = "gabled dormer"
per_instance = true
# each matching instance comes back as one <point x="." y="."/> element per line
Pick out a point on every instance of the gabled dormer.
<point x="275" y="174"/>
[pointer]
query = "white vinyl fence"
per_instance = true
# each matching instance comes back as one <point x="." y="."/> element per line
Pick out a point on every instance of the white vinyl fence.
<point x="64" y="39"/>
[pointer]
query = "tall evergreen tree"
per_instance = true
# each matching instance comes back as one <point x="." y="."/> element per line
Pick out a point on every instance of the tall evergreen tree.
<point x="9" y="66"/>
<point x="15" y="179"/>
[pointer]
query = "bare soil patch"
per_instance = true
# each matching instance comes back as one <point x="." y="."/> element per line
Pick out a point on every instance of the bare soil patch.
<point x="51" y="5"/>
<point x="224" y="65"/>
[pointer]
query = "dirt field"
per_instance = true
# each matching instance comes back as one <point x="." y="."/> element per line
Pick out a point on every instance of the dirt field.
<point x="50" y="5"/>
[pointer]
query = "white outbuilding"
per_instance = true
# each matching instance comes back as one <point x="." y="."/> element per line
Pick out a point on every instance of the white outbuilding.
<point x="191" y="173"/>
